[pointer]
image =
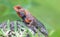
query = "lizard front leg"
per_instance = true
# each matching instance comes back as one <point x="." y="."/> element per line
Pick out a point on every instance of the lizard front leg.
<point x="30" y="24"/>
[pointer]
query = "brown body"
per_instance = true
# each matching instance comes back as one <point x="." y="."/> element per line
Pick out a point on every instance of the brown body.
<point x="30" y="20"/>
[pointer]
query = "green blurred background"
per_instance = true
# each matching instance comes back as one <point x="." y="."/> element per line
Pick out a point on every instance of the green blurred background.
<point x="47" y="11"/>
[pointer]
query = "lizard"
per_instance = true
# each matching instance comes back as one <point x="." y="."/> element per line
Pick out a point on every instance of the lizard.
<point x="30" y="20"/>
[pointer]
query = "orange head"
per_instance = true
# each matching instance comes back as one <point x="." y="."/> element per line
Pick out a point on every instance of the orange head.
<point x="19" y="10"/>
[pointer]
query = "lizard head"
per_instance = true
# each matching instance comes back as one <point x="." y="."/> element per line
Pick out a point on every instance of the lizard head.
<point x="19" y="10"/>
